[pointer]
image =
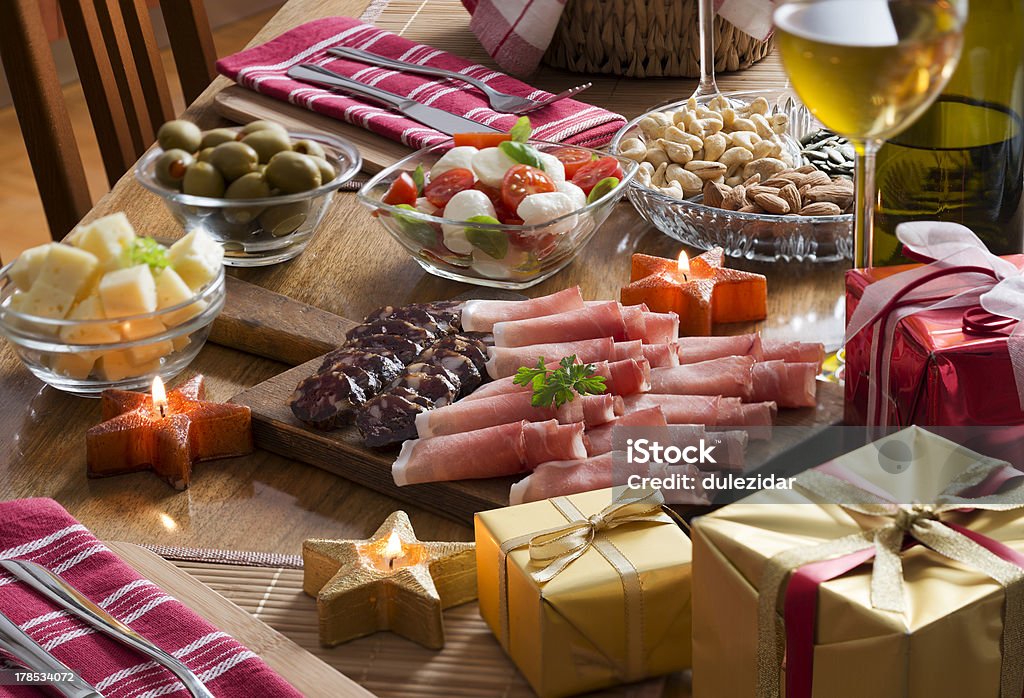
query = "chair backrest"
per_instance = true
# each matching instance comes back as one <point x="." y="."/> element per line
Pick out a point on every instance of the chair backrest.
<point x="123" y="79"/>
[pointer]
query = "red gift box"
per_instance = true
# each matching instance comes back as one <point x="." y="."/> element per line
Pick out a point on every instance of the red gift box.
<point x="944" y="369"/>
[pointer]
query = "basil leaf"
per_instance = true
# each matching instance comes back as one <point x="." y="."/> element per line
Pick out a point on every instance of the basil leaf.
<point x="522" y="130"/>
<point x="489" y="240"/>
<point x="419" y="179"/>
<point x="605" y="186"/>
<point x="521" y="152"/>
<point x="420" y="232"/>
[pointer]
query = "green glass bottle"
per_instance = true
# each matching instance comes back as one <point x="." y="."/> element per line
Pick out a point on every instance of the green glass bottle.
<point x="963" y="160"/>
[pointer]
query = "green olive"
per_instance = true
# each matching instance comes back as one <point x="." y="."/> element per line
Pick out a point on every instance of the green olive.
<point x="234" y="159"/>
<point x="262" y="124"/>
<point x="308" y="147"/>
<point x="327" y="171"/>
<point x="249" y="186"/>
<point x="213" y="138"/>
<point x="170" y="167"/>
<point x="268" y="143"/>
<point x="285" y="218"/>
<point x="293" y="172"/>
<point x="203" y="179"/>
<point x="179" y="134"/>
<point x="204" y="154"/>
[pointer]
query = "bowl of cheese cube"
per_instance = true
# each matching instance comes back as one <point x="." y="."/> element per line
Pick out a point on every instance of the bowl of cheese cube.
<point x="108" y="308"/>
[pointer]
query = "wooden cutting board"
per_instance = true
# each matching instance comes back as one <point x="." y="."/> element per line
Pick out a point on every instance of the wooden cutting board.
<point x="301" y="669"/>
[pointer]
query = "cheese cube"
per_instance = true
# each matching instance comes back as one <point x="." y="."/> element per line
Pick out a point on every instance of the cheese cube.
<point x="26" y="267"/>
<point x="91" y="308"/>
<point x="46" y="301"/>
<point x="141" y="329"/>
<point x="18" y="304"/>
<point x="130" y="291"/>
<point x="77" y="366"/>
<point x="106" y="238"/>
<point x="181" y="341"/>
<point x="153" y="351"/>
<point x="118" y="365"/>
<point x="69" y="269"/>
<point x="172" y="290"/>
<point x="197" y="258"/>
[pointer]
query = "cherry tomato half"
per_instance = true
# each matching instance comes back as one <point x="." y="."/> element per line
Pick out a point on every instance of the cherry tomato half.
<point x="481" y="140"/>
<point x="402" y="191"/>
<point x="443" y="187"/>
<point x="593" y="172"/>
<point x="572" y="158"/>
<point x="522" y="180"/>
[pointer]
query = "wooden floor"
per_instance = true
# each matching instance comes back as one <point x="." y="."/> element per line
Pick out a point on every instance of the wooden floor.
<point x="22" y="223"/>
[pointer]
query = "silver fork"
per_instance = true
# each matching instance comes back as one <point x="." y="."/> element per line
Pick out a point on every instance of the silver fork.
<point x="500" y="101"/>
<point x="20" y="645"/>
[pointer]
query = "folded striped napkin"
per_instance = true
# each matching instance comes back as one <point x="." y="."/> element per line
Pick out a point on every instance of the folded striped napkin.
<point x="41" y="530"/>
<point x="262" y="68"/>
<point x="516" y="33"/>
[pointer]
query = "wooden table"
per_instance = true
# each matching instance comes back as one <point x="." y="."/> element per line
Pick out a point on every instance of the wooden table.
<point x="268" y="503"/>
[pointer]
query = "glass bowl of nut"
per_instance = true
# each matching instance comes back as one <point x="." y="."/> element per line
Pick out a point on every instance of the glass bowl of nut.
<point x="751" y="172"/>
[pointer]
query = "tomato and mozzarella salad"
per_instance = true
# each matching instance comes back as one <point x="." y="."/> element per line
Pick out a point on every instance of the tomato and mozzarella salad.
<point x="491" y="178"/>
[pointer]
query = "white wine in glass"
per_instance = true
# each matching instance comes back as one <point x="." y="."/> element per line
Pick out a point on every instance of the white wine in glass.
<point x="867" y="69"/>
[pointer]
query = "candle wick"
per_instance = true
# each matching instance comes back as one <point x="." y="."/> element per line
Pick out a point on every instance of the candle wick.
<point x="163" y="410"/>
<point x="391" y="563"/>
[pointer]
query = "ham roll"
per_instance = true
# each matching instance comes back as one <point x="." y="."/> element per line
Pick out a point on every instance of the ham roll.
<point x="696" y="349"/>
<point x="506" y="449"/>
<point x="794" y="352"/>
<point x="730" y="450"/>
<point x="633" y="349"/>
<point x="662" y="355"/>
<point x="592" y="322"/>
<point x="648" y="327"/>
<point x="626" y="377"/>
<point x="729" y="376"/>
<point x="505" y="361"/>
<point x="470" y="415"/>
<point x="787" y="384"/>
<point x="599" y="439"/>
<point x="680" y="409"/>
<point x="481" y="316"/>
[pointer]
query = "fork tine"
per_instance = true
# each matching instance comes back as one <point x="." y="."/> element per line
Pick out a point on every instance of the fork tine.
<point x="564" y="94"/>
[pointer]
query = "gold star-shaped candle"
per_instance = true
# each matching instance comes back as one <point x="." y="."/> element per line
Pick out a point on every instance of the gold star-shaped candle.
<point x="391" y="581"/>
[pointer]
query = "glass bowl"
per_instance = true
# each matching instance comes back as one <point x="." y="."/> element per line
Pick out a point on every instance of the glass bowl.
<point x="257" y="232"/>
<point x="533" y="252"/>
<point x="161" y="343"/>
<point x="755" y="236"/>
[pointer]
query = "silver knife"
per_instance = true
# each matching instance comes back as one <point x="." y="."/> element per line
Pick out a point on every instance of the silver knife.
<point x="30" y="653"/>
<point x="57" y="590"/>
<point x="429" y="116"/>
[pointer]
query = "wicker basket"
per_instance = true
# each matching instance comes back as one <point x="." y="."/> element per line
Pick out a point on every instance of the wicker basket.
<point x="645" y="39"/>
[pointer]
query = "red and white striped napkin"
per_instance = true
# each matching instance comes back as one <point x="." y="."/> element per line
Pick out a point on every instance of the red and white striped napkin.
<point x="263" y="68"/>
<point x="41" y="530"/>
<point x="517" y="32"/>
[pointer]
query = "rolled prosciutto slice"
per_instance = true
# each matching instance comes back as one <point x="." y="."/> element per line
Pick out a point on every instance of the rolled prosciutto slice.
<point x="592" y="322"/>
<point x="626" y="377"/>
<point x="481" y="316"/>
<point x="662" y="355"/>
<point x="509" y="448"/>
<point x="633" y="349"/>
<point x="680" y="409"/>
<point x="599" y="439"/>
<point x="787" y="384"/>
<point x="469" y="415"/>
<point x="794" y="352"/>
<point x="661" y="328"/>
<point x="505" y="361"/>
<point x="729" y="376"/>
<point x="696" y="349"/>
<point x="730" y="450"/>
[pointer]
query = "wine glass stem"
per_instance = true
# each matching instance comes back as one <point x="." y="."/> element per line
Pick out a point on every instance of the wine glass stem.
<point x="706" y="17"/>
<point x="864" y="219"/>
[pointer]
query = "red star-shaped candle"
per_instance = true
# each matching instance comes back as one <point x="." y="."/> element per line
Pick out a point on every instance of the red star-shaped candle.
<point x="165" y="434"/>
<point x="701" y="291"/>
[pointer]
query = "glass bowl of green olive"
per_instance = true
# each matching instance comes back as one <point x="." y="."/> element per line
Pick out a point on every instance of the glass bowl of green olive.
<point x="258" y="190"/>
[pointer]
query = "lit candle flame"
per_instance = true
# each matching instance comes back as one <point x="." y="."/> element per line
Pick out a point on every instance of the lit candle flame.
<point x="393" y="549"/>
<point x="684" y="265"/>
<point x="159" y="397"/>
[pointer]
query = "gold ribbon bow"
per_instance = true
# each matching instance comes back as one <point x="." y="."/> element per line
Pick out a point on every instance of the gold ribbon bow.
<point x="923" y="523"/>
<point x="556" y="548"/>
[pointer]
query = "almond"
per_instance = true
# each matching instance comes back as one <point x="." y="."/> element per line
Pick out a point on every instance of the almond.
<point x="736" y="199"/>
<point x="831" y="193"/>
<point x="806" y="169"/>
<point x="752" y="180"/>
<point x="762" y="189"/>
<point x="820" y="208"/>
<point x="772" y="204"/>
<point x="715" y="193"/>
<point x="751" y="208"/>
<point x="817" y="178"/>
<point x="791" y="196"/>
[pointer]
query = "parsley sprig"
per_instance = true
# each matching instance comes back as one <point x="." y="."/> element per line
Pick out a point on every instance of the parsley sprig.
<point x="561" y="385"/>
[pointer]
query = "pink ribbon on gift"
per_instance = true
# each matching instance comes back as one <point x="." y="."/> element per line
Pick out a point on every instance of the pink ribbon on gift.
<point x="960" y="273"/>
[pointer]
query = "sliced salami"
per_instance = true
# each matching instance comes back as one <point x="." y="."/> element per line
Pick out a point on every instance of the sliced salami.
<point x="388" y="418"/>
<point x="433" y="386"/>
<point x="326" y="400"/>
<point x="383" y="364"/>
<point x="404" y="348"/>
<point x="470" y="377"/>
<point x="394" y="326"/>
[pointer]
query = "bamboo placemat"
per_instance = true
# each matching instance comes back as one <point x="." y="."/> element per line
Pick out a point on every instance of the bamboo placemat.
<point x="472" y="664"/>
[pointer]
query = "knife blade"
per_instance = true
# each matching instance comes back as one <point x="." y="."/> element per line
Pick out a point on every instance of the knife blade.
<point x="31" y="654"/>
<point x="59" y="591"/>
<point x="433" y="117"/>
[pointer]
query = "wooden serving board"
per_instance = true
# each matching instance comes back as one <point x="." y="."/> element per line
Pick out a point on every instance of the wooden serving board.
<point x="305" y="672"/>
<point x="341" y="451"/>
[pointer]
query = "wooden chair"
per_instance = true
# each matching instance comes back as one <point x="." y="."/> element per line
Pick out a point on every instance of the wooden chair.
<point x="123" y="79"/>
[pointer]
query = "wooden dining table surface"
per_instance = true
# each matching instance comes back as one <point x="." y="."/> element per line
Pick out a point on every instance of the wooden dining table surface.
<point x="265" y="502"/>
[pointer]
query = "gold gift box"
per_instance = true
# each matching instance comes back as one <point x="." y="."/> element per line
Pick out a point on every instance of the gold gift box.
<point x="947" y="642"/>
<point x="569" y="635"/>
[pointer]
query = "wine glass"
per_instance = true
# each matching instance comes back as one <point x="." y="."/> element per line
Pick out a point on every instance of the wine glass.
<point x="867" y="69"/>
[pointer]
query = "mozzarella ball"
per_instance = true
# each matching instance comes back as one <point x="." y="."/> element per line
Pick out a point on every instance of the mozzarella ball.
<point x="490" y="166"/>
<point x="579" y="199"/>
<point x="423" y="205"/>
<point x="537" y="209"/>
<point x="487" y="266"/>
<point x="461" y="207"/>
<point x="458" y="157"/>
<point x="553" y="167"/>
